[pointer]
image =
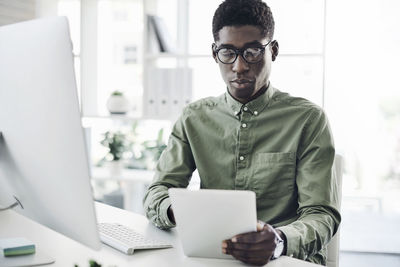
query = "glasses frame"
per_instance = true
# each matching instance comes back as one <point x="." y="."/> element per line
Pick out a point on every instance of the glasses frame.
<point x="240" y="52"/>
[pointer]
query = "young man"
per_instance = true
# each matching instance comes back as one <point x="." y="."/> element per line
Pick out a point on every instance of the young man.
<point x="254" y="137"/>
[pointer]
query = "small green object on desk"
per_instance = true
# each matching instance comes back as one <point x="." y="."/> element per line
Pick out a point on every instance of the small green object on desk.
<point x="93" y="263"/>
<point x="16" y="246"/>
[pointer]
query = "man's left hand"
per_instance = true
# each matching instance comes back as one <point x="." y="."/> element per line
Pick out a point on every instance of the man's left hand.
<point x="254" y="248"/>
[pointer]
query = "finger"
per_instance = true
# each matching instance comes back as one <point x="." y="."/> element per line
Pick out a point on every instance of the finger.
<point x="267" y="245"/>
<point x="225" y="244"/>
<point x="254" y="237"/>
<point x="261" y="253"/>
<point x="260" y="225"/>
<point x="254" y="261"/>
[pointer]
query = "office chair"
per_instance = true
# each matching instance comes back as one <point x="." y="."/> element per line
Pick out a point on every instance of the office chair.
<point x="333" y="245"/>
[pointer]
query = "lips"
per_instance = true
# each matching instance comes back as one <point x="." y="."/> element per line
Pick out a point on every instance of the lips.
<point x="241" y="83"/>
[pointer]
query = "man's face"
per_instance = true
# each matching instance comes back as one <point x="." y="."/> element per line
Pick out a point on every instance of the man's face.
<point x="244" y="79"/>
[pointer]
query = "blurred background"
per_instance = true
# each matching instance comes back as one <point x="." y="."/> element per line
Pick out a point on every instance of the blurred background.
<point x="139" y="62"/>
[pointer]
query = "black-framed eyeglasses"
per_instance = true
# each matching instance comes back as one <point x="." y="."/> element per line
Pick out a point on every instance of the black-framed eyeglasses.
<point x="228" y="55"/>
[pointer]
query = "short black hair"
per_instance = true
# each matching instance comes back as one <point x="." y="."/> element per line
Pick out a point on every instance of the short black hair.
<point x="243" y="12"/>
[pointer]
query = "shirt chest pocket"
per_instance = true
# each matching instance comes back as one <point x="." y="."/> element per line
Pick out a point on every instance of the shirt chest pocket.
<point x="274" y="175"/>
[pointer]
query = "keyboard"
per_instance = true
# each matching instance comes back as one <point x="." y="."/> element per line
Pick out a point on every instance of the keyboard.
<point x="127" y="240"/>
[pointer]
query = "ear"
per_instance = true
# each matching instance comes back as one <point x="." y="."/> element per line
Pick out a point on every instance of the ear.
<point x="214" y="54"/>
<point x="274" y="49"/>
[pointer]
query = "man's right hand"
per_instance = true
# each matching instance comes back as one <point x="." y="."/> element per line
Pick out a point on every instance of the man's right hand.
<point x="254" y="248"/>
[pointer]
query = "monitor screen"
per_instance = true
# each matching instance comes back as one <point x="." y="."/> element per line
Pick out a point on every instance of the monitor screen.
<point x="43" y="157"/>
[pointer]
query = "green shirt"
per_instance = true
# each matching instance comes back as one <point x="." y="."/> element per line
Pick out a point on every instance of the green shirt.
<point x="276" y="145"/>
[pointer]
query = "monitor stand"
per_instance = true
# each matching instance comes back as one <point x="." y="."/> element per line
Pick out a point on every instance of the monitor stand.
<point x="17" y="202"/>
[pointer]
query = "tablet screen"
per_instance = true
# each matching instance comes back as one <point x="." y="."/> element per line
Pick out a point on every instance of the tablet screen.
<point x="206" y="217"/>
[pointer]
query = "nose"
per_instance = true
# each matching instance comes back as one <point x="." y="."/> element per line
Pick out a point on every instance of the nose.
<point x="240" y="65"/>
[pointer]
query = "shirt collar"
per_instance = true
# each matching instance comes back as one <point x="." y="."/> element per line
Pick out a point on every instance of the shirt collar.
<point x="255" y="106"/>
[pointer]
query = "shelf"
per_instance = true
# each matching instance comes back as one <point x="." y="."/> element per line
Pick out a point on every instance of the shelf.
<point x="126" y="118"/>
<point x="129" y="175"/>
<point x="113" y="117"/>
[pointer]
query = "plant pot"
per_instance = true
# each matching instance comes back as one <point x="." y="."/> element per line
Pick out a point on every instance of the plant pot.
<point x="115" y="168"/>
<point x="118" y="104"/>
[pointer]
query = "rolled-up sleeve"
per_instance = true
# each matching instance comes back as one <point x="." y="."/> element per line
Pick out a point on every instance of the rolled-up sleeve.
<point x="174" y="169"/>
<point x="318" y="216"/>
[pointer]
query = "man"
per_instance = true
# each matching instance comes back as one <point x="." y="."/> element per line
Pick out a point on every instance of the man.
<point x="254" y="137"/>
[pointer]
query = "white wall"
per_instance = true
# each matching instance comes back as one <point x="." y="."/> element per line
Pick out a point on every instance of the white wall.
<point x="12" y="11"/>
<point x="45" y="8"/>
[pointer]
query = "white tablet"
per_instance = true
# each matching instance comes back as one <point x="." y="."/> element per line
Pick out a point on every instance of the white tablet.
<point x="206" y="217"/>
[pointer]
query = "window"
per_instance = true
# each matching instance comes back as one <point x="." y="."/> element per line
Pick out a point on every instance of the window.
<point x="119" y="55"/>
<point x="363" y="100"/>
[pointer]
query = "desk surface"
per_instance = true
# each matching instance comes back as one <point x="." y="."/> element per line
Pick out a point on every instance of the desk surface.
<point x="67" y="252"/>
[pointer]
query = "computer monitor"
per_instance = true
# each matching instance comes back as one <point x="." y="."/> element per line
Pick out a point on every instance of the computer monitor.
<point x="43" y="157"/>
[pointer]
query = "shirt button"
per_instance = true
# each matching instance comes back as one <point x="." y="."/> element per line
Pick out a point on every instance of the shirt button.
<point x="255" y="113"/>
<point x="244" y="125"/>
<point x="245" y="109"/>
<point x="241" y="158"/>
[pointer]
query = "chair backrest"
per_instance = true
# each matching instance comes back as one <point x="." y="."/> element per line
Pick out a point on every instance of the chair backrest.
<point x="333" y="246"/>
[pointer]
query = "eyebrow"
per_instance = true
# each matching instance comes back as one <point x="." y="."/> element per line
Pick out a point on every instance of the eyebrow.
<point x="245" y="45"/>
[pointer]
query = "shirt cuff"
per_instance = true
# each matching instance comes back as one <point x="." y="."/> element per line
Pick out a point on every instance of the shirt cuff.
<point x="165" y="204"/>
<point x="293" y="243"/>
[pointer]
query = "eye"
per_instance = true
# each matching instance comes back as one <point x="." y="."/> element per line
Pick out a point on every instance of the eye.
<point x="252" y="52"/>
<point x="225" y="52"/>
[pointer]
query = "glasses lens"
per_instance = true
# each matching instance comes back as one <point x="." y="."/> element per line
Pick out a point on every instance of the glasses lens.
<point x="253" y="54"/>
<point x="227" y="55"/>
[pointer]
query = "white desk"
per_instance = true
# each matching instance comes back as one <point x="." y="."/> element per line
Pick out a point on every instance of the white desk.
<point x="68" y="252"/>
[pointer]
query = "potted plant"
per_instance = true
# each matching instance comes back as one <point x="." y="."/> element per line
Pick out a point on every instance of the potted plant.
<point x="118" y="103"/>
<point x="117" y="143"/>
<point x="153" y="150"/>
